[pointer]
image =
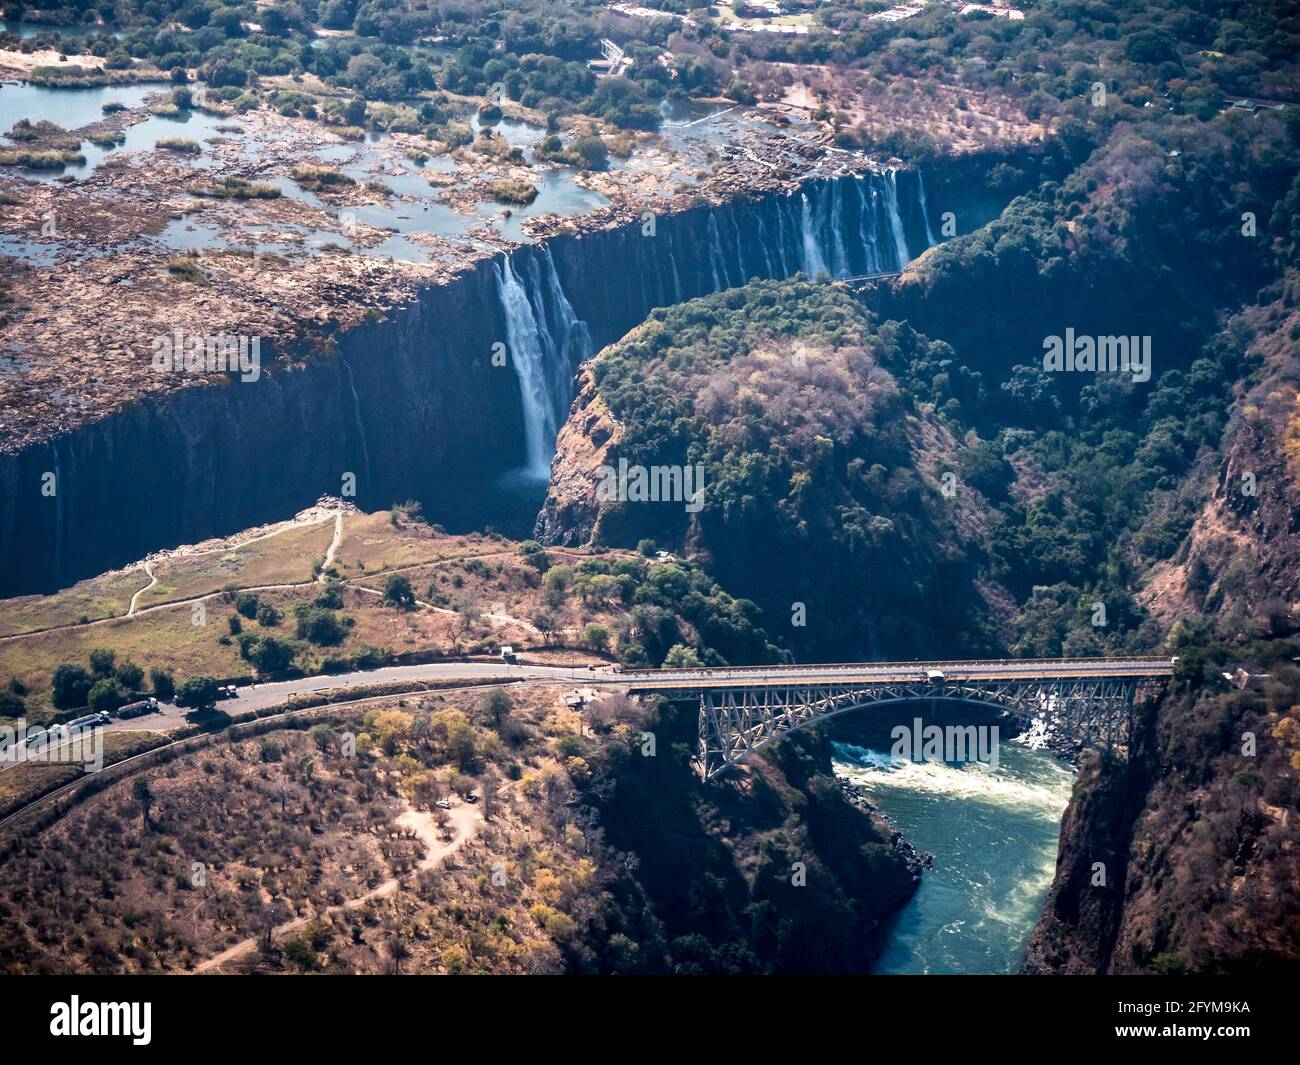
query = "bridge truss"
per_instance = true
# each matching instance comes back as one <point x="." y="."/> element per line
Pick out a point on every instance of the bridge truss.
<point x="1075" y="712"/>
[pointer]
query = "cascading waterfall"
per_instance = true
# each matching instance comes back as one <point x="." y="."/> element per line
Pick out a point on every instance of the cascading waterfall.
<point x="677" y="280"/>
<point x="834" y="212"/>
<point x="867" y="233"/>
<point x="528" y="360"/>
<point x="813" y="262"/>
<point x="361" y="425"/>
<point x="925" y="210"/>
<point x="546" y="342"/>
<point x="716" y="256"/>
<point x="895" y="219"/>
<point x="59" y="489"/>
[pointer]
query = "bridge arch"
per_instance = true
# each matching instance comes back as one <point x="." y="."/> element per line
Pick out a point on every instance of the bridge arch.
<point x="736" y="722"/>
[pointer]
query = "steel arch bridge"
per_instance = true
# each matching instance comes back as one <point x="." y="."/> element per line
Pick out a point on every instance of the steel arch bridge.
<point x="1076" y="702"/>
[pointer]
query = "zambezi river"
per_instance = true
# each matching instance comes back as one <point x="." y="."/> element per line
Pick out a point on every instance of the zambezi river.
<point x="993" y="833"/>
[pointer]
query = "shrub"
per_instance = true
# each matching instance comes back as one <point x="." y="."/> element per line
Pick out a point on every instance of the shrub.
<point x="198" y="693"/>
<point x="105" y="695"/>
<point x="164" y="687"/>
<point x="397" y="592"/>
<point x="129" y="675"/>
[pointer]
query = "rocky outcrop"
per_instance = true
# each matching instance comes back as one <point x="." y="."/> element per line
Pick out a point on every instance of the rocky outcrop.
<point x="585" y="443"/>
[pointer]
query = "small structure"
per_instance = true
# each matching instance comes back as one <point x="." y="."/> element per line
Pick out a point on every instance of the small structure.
<point x="613" y="63"/>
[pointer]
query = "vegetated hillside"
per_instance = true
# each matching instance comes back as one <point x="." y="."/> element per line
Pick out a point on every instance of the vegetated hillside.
<point x="1199" y="833"/>
<point x="1242" y="552"/>
<point x="823" y="480"/>
<point x="226" y="848"/>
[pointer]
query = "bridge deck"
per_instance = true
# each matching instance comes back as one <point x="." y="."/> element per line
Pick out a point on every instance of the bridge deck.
<point x="865" y="673"/>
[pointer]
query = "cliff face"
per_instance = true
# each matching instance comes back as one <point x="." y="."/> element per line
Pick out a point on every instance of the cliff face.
<point x="771" y="869"/>
<point x="410" y="405"/>
<point x="413" y="402"/>
<point x="1186" y="858"/>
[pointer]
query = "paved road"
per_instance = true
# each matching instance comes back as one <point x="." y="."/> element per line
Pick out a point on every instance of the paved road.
<point x="262" y="696"/>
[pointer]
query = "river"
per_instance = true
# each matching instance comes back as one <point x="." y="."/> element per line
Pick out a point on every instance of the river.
<point x="993" y="834"/>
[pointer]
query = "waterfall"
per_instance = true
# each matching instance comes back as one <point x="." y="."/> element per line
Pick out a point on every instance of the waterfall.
<point x="780" y="238"/>
<point x="925" y="210"/>
<point x="546" y="341"/>
<point x="834" y="211"/>
<point x="813" y="263"/>
<point x="895" y="219"/>
<point x="59" y="489"/>
<point x="870" y="257"/>
<point x="716" y="256"/>
<point x="575" y="339"/>
<point x="762" y="243"/>
<point x="528" y="360"/>
<point x="672" y="261"/>
<point x="361" y="425"/>
<point x="740" y="247"/>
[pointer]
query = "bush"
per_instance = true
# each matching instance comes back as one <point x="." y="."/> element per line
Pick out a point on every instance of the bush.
<point x="164" y="687"/>
<point x="270" y="655"/>
<point x="70" y="686"/>
<point x="247" y="603"/>
<point x="268" y="615"/>
<point x="105" y="695"/>
<point x="320" y="626"/>
<point x="101" y="661"/>
<point x="592" y="152"/>
<point x="397" y="592"/>
<point x="129" y="675"/>
<point x="197" y="693"/>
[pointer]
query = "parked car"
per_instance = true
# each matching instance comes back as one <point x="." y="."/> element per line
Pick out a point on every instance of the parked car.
<point x="443" y="804"/>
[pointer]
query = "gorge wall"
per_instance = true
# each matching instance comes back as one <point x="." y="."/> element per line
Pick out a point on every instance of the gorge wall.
<point x="412" y="403"/>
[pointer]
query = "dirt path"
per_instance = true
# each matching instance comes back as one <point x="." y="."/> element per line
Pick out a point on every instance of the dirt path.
<point x="334" y="546"/>
<point x="153" y="579"/>
<point x="465" y="822"/>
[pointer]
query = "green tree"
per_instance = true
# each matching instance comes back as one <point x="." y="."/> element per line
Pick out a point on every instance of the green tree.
<point x="105" y="695"/>
<point x="70" y="686"/>
<point x="556" y="585"/>
<point x="129" y="675"/>
<point x="270" y="655"/>
<point x="397" y="592"/>
<point x="680" y="656"/>
<point x="101" y="661"/>
<point x="596" y="636"/>
<point x="164" y="687"/>
<point x="197" y="693"/>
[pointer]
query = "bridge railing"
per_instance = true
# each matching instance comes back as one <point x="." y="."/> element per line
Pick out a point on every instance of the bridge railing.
<point x="1156" y="661"/>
